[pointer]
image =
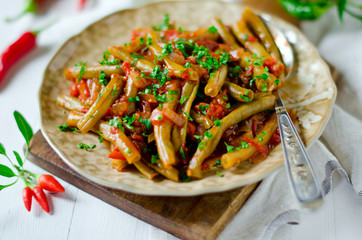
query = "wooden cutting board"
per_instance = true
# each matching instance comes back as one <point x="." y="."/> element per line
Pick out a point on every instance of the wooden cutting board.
<point x="200" y="217"/>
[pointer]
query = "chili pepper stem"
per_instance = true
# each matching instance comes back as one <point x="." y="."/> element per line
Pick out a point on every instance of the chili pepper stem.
<point x="36" y="32"/>
<point x="29" y="7"/>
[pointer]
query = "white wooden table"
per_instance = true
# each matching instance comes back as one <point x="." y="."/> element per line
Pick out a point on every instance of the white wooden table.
<point x="78" y="215"/>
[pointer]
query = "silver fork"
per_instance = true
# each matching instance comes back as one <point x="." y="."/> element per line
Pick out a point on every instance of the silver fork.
<point x="301" y="176"/>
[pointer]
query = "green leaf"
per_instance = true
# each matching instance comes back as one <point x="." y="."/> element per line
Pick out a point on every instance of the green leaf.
<point x="5" y="186"/>
<point x="18" y="158"/>
<point x="6" y="171"/>
<point x="341" y="6"/>
<point x="24" y="127"/>
<point x="2" y="149"/>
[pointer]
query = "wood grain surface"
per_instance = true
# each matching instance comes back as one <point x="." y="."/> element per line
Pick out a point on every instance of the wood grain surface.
<point x="199" y="217"/>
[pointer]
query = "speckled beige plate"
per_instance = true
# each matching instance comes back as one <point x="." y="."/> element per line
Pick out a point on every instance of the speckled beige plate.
<point x="311" y="91"/>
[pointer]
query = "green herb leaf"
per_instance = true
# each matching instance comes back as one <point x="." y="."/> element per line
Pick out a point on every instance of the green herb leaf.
<point x="341" y="5"/>
<point x="5" y="186"/>
<point x="18" y="158"/>
<point x="145" y="121"/>
<point x="218" y="173"/>
<point x="66" y="128"/>
<point x="182" y="153"/>
<point x="5" y="171"/>
<point x="277" y="81"/>
<point x="184" y="177"/>
<point x="137" y="98"/>
<point x="24" y="127"/>
<point x="183" y="99"/>
<point x="116" y="123"/>
<point x="82" y="70"/>
<point x="165" y="25"/>
<point x="217" y="123"/>
<point x="2" y="149"/>
<point x="212" y="29"/>
<point x="264" y="87"/>
<point x="217" y="163"/>
<point x="188" y="115"/>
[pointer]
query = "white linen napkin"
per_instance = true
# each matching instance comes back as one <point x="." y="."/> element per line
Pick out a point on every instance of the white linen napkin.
<point x="339" y="148"/>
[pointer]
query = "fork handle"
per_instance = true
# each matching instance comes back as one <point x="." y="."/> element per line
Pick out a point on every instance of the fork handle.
<point x="299" y="169"/>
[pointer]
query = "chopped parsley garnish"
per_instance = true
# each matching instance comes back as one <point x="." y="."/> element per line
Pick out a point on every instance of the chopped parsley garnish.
<point x="184" y="177"/>
<point x="188" y="115"/>
<point x="161" y="76"/>
<point x="103" y="79"/>
<point x="85" y="146"/>
<point x="154" y="158"/>
<point x="197" y="136"/>
<point x="160" y="98"/>
<point x="245" y="98"/>
<point x="183" y="99"/>
<point x="228" y="106"/>
<point x="107" y="61"/>
<point x="217" y="163"/>
<point x="225" y="98"/>
<point x="258" y="62"/>
<point x="135" y="57"/>
<point x="217" y="123"/>
<point x="128" y="151"/>
<point x="277" y="81"/>
<point x="115" y="122"/>
<point x="180" y="29"/>
<point x="183" y="156"/>
<point x="201" y="145"/>
<point x="165" y="25"/>
<point x="230" y="148"/>
<point x="146" y="122"/>
<point x="202" y="109"/>
<point x="167" y="49"/>
<point x="82" y="70"/>
<point x="220" y="175"/>
<point x="127" y="121"/>
<point x="171" y="92"/>
<point x="208" y="134"/>
<point x="159" y="118"/>
<point x="100" y="139"/>
<point x="262" y="135"/>
<point x="137" y="98"/>
<point x="187" y="65"/>
<point x="212" y="29"/>
<point x="142" y="41"/>
<point x="149" y="41"/>
<point x="66" y="128"/>
<point x="264" y="87"/>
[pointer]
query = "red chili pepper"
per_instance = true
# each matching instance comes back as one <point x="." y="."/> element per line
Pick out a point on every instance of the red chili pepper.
<point x="15" y="51"/>
<point x="27" y="197"/>
<point x="18" y="49"/>
<point x="116" y="154"/>
<point x="49" y="183"/>
<point x="41" y="198"/>
<point x="81" y="4"/>
<point x="254" y="144"/>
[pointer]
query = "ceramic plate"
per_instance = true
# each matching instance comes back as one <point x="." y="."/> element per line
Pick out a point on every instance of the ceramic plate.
<point x="311" y="91"/>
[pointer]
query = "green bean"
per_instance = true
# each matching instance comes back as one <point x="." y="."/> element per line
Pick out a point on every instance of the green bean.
<point x="228" y="160"/>
<point x="176" y="68"/>
<point x="242" y="33"/>
<point x="145" y="170"/>
<point x="70" y="103"/>
<point x="170" y="172"/>
<point x="201" y="119"/>
<point x="163" y="131"/>
<point x="224" y="33"/>
<point x="208" y="144"/>
<point x="131" y="91"/>
<point x="188" y="91"/>
<point x="239" y="93"/>
<point x="142" y="64"/>
<point x="262" y="31"/>
<point x="107" y="96"/>
<point x="214" y="84"/>
<point x="95" y="71"/>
